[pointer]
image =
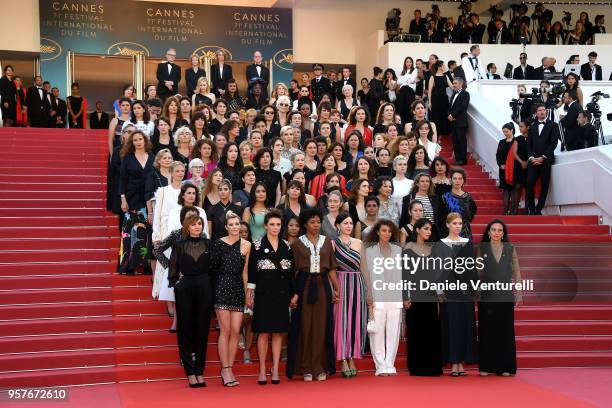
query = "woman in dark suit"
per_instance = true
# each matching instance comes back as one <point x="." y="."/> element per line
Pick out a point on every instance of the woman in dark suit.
<point x="271" y="288"/>
<point x="136" y="162"/>
<point x="193" y="74"/>
<point x="8" y="94"/>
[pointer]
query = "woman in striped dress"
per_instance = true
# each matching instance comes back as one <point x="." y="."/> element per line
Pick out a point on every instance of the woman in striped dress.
<point x="351" y="311"/>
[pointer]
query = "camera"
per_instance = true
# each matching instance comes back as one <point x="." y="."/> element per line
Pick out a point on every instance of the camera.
<point x="567" y="18"/>
<point x="593" y="107"/>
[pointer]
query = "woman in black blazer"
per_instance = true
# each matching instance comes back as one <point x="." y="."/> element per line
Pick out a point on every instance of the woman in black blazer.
<point x="193" y="74"/>
<point x="136" y="162"/>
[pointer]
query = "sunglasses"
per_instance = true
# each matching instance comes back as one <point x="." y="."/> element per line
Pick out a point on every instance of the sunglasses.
<point x="284" y="104"/>
<point x="269" y="113"/>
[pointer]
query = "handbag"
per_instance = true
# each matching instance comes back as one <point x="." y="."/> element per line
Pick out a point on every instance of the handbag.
<point x="371" y="326"/>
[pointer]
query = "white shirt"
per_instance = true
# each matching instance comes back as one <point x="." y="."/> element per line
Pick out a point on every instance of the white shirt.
<point x="169" y="68"/>
<point x="401" y="189"/>
<point x="454" y="97"/>
<point x="258" y="68"/>
<point x="220" y="70"/>
<point x="40" y="92"/>
<point x="472" y="68"/>
<point x="166" y="199"/>
<point x="409" y="79"/>
<point x="146" y="128"/>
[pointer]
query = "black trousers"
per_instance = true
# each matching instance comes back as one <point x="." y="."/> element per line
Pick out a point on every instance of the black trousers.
<point x="460" y="143"/>
<point x="534" y="173"/>
<point x="405" y="98"/>
<point x="193" y="295"/>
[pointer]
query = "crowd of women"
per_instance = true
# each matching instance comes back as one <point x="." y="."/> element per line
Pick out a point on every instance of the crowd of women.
<point x="273" y="219"/>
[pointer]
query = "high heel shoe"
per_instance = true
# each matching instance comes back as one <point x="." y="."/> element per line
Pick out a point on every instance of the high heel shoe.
<point x="346" y="373"/>
<point x="193" y="385"/>
<point x="262" y="382"/>
<point x="231" y="383"/>
<point x="273" y="381"/>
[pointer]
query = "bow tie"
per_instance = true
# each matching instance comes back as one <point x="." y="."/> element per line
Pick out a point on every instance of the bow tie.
<point x="258" y="65"/>
<point x="542" y="123"/>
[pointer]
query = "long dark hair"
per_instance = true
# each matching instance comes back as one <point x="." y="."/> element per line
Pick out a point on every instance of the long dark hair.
<point x="145" y="114"/>
<point x="420" y="223"/>
<point x="355" y="169"/>
<point x="487" y="238"/>
<point x="252" y="200"/>
<point x="404" y="66"/>
<point x="223" y="160"/>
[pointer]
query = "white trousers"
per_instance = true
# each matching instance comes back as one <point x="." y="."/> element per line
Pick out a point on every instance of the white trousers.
<point x="384" y="343"/>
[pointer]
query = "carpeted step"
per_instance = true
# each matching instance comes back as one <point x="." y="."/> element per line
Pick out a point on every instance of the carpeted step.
<point x="540" y="220"/>
<point x="82" y="294"/>
<point x="101" y="219"/>
<point x="84" y="231"/>
<point x="55" y="255"/>
<point x="28" y="270"/>
<point x="52" y="195"/>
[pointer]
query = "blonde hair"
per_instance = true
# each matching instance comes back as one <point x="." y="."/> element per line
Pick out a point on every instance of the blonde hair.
<point x="201" y="80"/>
<point x="159" y="156"/>
<point x="180" y="131"/>
<point x="452" y="217"/>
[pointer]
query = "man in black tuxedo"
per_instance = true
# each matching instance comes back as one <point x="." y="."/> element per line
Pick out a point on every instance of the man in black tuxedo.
<point x="541" y="143"/>
<point x="61" y="110"/>
<point x="346" y="80"/>
<point x="569" y="123"/>
<point x="591" y="71"/>
<point x="477" y="29"/>
<point x="588" y="134"/>
<point x="256" y="71"/>
<point x="319" y="84"/>
<point x="98" y="119"/>
<point x="168" y="76"/>
<point x="544" y="68"/>
<point x="458" y="69"/>
<point x="220" y="73"/>
<point x="501" y="35"/>
<point x="37" y="101"/>
<point x="524" y="70"/>
<point x="457" y="116"/>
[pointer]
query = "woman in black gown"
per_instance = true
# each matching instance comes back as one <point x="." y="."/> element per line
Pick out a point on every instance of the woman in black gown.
<point x="422" y="318"/>
<point x="8" y="94"/>
<point x="191" y="278"/>
<point x="77" y="108"/>
<point x="438" y="99"/>
<point x="271" y="287"/>
<point x="457" y="313"/>
<point x="497" y="346"/>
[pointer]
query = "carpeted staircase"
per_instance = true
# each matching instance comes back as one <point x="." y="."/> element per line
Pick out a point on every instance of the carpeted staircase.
<point x="67" y="318"/>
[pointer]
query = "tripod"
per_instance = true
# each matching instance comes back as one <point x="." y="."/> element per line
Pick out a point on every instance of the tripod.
<point x="596" y="122"/>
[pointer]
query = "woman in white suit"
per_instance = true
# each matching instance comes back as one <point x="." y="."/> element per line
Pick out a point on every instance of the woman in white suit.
<point x="166" y="199"/>
<point x="388" y="303"/>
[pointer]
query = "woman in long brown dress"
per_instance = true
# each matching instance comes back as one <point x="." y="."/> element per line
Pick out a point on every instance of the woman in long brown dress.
<point x="311" y="342"/>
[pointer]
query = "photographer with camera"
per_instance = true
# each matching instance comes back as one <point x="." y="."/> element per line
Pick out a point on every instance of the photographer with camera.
<point x="501" y="35"/>
<point x="549" y="99"/>
<point x="475" y="29"/>
<point x="569" y="123"/>
<point x="522" y="106"/>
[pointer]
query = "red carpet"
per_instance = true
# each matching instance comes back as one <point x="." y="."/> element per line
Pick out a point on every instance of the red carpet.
<point x="576" y="388"/>
<point x="68" y="319"/>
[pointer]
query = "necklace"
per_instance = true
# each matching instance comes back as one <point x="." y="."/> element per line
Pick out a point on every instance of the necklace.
<point x="346" y="243"/>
